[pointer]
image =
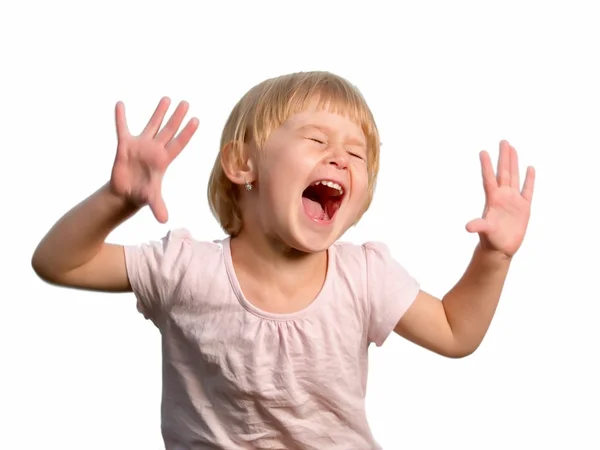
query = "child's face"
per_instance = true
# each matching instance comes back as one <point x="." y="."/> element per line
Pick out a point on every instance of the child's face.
<point x="308" y="150"/>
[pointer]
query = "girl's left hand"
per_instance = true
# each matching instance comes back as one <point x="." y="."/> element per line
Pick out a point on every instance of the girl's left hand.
<point x="506" y="215"/>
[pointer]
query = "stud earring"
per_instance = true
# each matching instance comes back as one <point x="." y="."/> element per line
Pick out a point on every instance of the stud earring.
<point x="248" y="186"/>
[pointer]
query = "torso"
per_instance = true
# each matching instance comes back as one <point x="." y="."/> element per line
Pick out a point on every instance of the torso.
<point x="240" y="373"/>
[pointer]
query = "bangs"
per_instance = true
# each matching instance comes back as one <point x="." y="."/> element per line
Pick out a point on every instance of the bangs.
<point x="288" y="96"/>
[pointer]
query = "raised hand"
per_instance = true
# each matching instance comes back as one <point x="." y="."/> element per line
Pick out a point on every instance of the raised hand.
<point x="505" y="218"/>
<point x="141" y="161"/>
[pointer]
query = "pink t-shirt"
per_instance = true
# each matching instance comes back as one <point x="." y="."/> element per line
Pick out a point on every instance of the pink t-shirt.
<point x="236" y="377"/>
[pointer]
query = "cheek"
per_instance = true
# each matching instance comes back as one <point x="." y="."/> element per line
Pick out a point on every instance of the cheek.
<point x="284" y="169"/>
<point x="275" y="192"/>
<point x="360" y="179"/>
<point x="278" y="166"/>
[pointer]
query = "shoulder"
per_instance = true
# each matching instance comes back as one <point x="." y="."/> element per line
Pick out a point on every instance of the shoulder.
<point x="388" y="288"/>
<point x="361" y="262"/>
<point x="159" y="268"/>
<point x="361" y="253"/>
<point x="181" y="241"/>
<point x="372" y="261"/>
<point x="172" y="254"/>
<point x="184" y="238"/>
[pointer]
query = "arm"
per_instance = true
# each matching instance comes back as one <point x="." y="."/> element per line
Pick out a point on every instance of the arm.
<point x="456" y="326"/>
<point x="74" y="253"/>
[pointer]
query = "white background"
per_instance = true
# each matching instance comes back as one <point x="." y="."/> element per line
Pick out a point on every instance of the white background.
<point x="445" y="80"/>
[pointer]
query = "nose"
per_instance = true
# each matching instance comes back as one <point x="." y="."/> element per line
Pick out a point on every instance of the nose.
<point x="338" y="157"/>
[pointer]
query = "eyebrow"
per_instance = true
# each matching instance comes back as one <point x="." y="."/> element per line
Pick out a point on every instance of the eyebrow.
<point x="327" y="130"/>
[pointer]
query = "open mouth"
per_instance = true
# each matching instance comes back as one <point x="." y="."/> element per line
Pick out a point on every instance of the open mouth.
<point x="322" y="199"/>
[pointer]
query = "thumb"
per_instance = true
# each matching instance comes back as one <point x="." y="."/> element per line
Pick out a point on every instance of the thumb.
<point x="477" y="226"/>
<point x="159" y="209"/>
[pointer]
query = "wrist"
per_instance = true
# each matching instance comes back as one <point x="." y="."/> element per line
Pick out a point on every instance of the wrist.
<point x="118" y="201"/>
<point x="493" y="257"/>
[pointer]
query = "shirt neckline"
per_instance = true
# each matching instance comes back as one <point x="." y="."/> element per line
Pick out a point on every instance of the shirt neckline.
<point x="265" y="314"/>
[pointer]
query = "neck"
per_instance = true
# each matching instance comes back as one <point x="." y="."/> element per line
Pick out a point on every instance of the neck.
<point x="270" y="260"/>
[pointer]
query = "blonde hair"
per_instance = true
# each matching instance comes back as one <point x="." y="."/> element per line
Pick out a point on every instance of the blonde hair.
<point x="264" y="108"/>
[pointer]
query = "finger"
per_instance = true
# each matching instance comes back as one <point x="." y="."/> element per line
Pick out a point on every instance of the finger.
<point x="487" y="173"/>
<point x="515" y="181"/>
<point x="183" y="138"/>
<point x="503" y="170"/>
<point x="159" y="209"/>
<point x="477" y="226"/>
<point x="121" y="121"/>
<point x="156" y="120"/>
<point x="173" y="124"/>
<point x="528" y="185"/>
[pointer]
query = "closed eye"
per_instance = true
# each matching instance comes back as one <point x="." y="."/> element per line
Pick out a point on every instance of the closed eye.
<point x="317" y="140"/>
<point x="356" y="155"/>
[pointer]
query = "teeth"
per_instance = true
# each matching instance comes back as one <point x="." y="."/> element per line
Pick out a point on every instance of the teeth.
<point x="330" y="184"/>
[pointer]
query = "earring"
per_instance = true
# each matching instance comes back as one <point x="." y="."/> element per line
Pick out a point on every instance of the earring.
<point x="248" y="186"/>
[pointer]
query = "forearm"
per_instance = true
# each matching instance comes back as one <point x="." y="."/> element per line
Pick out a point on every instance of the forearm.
<point x="80" y="234"/>
<point x="470" y="305"/>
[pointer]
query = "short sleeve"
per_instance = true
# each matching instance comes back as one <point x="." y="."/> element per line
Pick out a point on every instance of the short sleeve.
<point x="155" y="270"/>
<point x="390" y="291"/>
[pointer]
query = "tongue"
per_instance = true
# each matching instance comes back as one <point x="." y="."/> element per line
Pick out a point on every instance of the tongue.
<point x="313" y="209"/>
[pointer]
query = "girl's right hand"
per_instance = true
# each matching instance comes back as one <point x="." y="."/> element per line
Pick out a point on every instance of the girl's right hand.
<point x="142" y="161"/>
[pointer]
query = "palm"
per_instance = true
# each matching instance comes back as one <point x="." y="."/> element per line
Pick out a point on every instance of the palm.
<point x="141" y="161"/>
<point x="505" y="218"/>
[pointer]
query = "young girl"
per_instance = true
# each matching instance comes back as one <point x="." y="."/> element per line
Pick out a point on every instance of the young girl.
<point x="265" y="333"/>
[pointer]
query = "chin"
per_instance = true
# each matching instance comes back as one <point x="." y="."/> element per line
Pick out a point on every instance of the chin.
<point x="307" y="243"/>
<point x="309" y="235"/>
<point x="314" y="221"/>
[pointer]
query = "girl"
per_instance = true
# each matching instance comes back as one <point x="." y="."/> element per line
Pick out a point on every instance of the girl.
<point x="265" y="333"/>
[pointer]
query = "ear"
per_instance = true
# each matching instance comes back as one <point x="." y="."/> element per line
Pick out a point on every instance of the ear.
<point x="237" y="163"/>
